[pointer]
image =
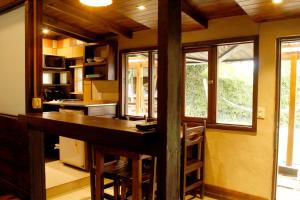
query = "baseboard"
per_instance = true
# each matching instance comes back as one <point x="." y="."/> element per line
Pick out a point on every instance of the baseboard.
<point x="226" y="194"/>
<point x="10" y="188"/>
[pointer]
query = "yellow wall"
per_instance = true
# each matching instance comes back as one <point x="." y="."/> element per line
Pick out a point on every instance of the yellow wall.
<point x="12" y="62"/>
<point x="236" y="160"/>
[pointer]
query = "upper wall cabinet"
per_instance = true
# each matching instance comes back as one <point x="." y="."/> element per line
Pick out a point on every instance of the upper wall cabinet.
<point x="100" y="61"/>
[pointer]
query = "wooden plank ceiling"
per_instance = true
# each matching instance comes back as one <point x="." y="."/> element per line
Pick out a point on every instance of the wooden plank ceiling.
<point x="265" y="10"/>
<point x="123" y="18"/>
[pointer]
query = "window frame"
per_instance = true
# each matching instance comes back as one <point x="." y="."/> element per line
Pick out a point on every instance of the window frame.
<point x="211" y="45"/>
<point x="123" y="76"/>
<point x="212" y="88"/>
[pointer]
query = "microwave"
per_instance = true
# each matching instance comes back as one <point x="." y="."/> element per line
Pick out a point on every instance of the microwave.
<point x="54" y="62"/>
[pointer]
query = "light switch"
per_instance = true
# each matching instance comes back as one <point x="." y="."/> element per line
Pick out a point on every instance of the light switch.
<point x="261" y="111"/>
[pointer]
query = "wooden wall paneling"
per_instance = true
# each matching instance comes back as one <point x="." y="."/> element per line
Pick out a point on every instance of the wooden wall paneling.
<point x="169" y="79"/>
<point x="14" y="166"/>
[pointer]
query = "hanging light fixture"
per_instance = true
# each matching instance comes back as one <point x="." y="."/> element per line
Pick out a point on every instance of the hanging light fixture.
<point x="96" y="3"/>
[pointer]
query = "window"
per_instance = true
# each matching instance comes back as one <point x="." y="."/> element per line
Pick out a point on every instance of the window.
<point x="141" y="83"/>
<point x="196" y="76"/>
<point x="220" y="84"/>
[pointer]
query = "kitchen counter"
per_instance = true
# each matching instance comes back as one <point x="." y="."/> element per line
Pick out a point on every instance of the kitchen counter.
<point x="94" y="108"/>
<point x="79" y="103"/>
<point x="111" y="133"/>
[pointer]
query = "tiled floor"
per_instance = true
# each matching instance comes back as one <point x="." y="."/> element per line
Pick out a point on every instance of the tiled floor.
<point x="84" y="194"/>
<point x="288" y="188"/>
<point x="68" y="183"/>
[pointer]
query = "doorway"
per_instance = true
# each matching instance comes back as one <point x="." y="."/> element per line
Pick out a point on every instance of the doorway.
<point x="288" y="162"/>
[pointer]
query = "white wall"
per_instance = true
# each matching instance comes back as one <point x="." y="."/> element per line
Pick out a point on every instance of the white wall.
<point x="236" y="160"/>
<point x="12" y="62"/>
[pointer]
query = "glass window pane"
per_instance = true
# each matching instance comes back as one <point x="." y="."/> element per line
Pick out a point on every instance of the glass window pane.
<point x="235" y="84"/>
<point x="196" y="90"/>
<point x="78" y="80"/>
<point x="154" y="84"/>
<point x="137" y="84"/>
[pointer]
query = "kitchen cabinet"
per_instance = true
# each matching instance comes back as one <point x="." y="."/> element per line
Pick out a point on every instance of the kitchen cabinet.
<point x="100" y="61"/>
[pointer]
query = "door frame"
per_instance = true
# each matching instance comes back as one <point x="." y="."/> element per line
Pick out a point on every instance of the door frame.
<point x="277" y="110"/>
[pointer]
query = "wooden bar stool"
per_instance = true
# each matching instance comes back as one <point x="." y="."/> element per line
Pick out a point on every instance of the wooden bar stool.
<point x="192" y="160"/>
<point x="133" y="176"/>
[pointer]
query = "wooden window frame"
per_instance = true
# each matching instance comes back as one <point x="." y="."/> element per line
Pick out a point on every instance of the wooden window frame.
<point x="211" y="46"/>
<point x="123" y="76"/>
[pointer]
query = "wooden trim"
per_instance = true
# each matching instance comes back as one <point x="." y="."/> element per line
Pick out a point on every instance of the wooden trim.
<point x="33" y="53"/>
<point x="150" y="84"/>
<point x="12" y="5"/>
<point x="255" y="84"/>
<point x="212" y="88"/>
<point x="224" y="41"/>
<point x="138" y="50"/>
<point x="28" y="56"/>
<point x="277" y="119"/>
<point x="227" y="194"/>
<point x="122" y="84"/>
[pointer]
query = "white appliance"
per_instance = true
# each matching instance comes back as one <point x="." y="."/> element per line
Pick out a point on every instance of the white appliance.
<point x="73" y="152"/>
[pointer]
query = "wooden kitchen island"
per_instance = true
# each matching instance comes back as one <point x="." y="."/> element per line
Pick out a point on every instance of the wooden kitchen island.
<point x="112" y="133"/>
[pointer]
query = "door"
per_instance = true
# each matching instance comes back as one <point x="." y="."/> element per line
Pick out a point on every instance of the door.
<point x="288" y="162"/>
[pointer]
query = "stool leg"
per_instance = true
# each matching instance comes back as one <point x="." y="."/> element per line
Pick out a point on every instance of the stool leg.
<point x="116" y="190"/>
<point x="123" y="192"/>
<point x="137" y="179"/>
<point x="99" y="175"/>
<point x="153" y="179"/>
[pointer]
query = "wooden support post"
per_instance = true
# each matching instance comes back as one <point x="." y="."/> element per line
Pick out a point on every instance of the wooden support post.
<point x="169" y="79"/>
<point x="37" y="165"/>
<point x="293" y="77"/>
<point x="34" y="52"/>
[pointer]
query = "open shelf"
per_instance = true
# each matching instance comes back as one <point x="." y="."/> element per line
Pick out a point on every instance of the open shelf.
<point x="49" y="85"/>
<point x="103" y="63"/>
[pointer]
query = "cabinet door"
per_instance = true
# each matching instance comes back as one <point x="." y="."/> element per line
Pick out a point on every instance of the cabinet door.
<point x="71" y="151"/>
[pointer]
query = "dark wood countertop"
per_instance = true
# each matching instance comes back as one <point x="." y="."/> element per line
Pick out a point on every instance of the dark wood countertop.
<point x="95" y="130"/>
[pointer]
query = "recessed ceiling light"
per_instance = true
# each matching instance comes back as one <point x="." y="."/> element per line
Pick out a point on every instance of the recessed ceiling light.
<point x="45" y="31"/>
<point x="141" y="7"/>
<point x="96" y="3"/>
<point x="277" y="1"/>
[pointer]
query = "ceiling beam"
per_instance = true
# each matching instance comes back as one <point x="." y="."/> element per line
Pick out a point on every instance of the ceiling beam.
<point x="191" y="11"/>
<point x="10" y="4"/>
<point x="89" y="17"/>
<point x="70" y="30"/>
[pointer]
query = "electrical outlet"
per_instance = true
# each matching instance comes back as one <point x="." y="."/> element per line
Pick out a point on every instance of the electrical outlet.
<point x="261" y="111"/>
<point x="36" y="103"/>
